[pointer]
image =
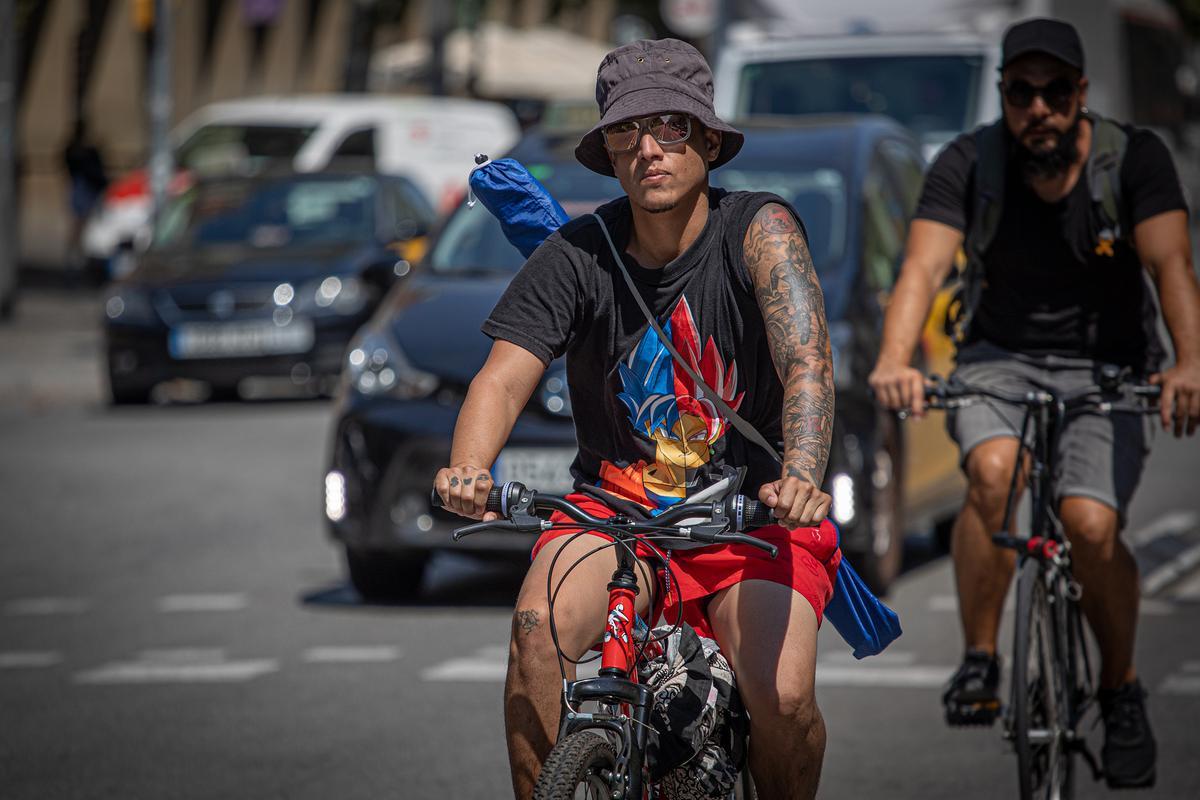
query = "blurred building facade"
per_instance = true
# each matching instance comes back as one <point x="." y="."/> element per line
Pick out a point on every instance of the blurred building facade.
<point x="87" y="60"/>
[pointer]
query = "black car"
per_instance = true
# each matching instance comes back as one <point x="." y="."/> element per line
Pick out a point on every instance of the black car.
<point x="854" y="182"/>
<point x="260" y="276"/>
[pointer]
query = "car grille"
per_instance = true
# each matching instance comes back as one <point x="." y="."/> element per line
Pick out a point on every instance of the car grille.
<point x="215" y="302"/>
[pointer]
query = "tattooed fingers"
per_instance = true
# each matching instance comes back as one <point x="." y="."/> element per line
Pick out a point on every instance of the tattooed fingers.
<point x="464" y="490"/>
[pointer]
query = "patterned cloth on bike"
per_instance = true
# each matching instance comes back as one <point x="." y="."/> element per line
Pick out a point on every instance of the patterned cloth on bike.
<point x="698" y="743"/>
<point x="808" y="562"/>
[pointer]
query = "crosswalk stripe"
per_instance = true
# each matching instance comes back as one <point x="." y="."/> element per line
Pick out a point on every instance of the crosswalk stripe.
<point x="31" y="659"/>
<point x="466" y="669"/>
<point x="916" y="677"/>
<point x="1181" y="684"/>
<point x="364" y="654"/>
<point x="180" y="665"/>
<point x="174" y="603"/>
<point x="45" y="606"/>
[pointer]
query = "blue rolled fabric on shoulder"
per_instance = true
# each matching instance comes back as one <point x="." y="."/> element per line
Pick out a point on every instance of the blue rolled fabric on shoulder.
<point x="528" y="213"/>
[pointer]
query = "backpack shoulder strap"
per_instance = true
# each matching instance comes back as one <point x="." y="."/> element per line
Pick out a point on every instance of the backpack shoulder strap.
<point x="1109" y="140"/>
<point x="987" y="205"/>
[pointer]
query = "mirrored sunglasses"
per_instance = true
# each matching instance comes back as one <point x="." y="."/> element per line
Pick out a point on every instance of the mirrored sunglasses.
<point x="665" y="128"/>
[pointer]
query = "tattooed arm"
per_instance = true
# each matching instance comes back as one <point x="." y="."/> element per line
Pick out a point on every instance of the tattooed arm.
<point x="793" y="309"/>
<point x="497" y="394"/>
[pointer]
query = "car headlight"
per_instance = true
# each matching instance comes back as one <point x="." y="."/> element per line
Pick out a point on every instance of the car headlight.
<point x="129" y="305"/>
<point x="375" y="365"/>
<point x="332" y="295"/>
<point x="554" y="394"/>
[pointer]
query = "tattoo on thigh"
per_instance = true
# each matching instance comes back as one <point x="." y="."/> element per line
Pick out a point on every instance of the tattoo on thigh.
<point x="528" y="620"/>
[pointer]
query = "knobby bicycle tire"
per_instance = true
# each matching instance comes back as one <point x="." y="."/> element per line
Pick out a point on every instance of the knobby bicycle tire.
<point x="579" y="760"/>
<point x="1041" y="714"/>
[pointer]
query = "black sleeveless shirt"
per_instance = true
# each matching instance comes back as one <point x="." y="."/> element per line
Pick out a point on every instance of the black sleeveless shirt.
<point x="645" y="432"/>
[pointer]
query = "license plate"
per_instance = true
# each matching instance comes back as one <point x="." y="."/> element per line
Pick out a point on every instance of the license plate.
<point x="224" y="339"/>
<point x="546" y="469"/>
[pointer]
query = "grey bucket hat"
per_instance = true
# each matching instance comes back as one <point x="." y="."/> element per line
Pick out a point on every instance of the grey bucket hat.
<point x="654" y="76"/>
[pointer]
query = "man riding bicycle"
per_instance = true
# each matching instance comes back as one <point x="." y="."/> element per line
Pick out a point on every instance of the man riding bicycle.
<point x="1058" y="211"/>
<point x="729" y="278"/>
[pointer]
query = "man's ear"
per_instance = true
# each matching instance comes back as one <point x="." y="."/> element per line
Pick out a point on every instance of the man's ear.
<point x="712" y="142"/>
<point x="1083" y="87"/>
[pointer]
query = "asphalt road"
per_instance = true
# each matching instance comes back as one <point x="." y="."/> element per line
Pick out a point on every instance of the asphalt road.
<point x="174" y="624"/>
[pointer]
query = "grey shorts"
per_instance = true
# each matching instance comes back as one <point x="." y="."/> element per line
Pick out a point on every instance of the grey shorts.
<point x="1099" y="456"/>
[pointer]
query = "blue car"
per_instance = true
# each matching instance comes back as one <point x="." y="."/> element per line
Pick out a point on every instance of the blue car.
<point x="854" y="181"/>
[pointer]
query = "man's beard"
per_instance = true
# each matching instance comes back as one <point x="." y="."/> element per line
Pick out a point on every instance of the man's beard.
<point x="1054" y="162"/>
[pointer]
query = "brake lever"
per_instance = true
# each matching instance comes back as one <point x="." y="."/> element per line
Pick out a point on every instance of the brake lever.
<point x="480" y="527"/>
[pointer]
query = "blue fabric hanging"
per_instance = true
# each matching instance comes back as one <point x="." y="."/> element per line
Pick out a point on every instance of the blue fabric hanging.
<point x="859" y="617"/>
<point x="528" y="214"/>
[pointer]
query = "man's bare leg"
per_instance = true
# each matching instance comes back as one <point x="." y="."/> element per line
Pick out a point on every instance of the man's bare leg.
<point x="769" y="633"/>
<point x="983" y="571"/>
<point x="1109" y="576"/>
<point x="533" y="689"/>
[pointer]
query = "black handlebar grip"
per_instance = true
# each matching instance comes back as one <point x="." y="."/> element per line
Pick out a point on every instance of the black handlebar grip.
<point x="756" y="514"/>
<point x="495" y="495"/>
<point x="493" y="499"/>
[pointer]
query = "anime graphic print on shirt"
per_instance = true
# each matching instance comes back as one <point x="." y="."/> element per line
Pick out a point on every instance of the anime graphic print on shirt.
<point x="667" y="408"/>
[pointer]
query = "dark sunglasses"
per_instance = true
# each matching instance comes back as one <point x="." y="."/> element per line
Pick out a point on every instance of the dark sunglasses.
<point x="623" y="136"/>
<point x="1058" y="93"/>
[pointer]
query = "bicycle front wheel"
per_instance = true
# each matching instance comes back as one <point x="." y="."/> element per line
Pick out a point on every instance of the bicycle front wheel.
<point x="1040" y="706"/>
<point x="580" y="767"/>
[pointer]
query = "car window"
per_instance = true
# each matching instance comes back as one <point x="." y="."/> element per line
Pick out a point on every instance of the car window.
<point x="359" y="144"/>
<point x="219" y="147"/>
<point x="819" y="197"/>
<point x="407" y="207"/>
<point x="287" y="213"/>
<point x="907" y="169"/>
<point x="885" y="219"/>
<point x="932" y="95"/>
<point x="472" y="240"/>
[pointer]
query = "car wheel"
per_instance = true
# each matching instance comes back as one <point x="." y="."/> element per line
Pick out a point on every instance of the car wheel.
<point x="378" y="575"/>
<point x="128" y="393"/>
<point x="874" y="539"/>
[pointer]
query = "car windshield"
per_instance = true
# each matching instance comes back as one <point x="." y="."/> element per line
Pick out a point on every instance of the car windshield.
<point x="819" y="197"/>
<point x="287" y="213"/>
<point x="935" y="96"/>
<point x="472" y="240"/>
<point x="214" y="148"/>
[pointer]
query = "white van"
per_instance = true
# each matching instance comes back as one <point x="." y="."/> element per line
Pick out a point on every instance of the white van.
<point x="934" y="68"/>
<point x="431" y="141"/>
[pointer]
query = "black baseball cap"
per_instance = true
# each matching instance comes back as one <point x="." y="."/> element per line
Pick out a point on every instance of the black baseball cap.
<point x="1053" y="37"/>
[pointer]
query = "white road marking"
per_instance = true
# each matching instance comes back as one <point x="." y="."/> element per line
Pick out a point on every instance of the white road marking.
<point x="1171" y="571"/>
<point x="922" y="677"/>
<point x="1181" y="684"/>
<point x="173" y="603"/>
<point x="1190" y="666"/>
<point x="185" y="665"/>
<point x="28" y="660"/>
<point x="899" y="658"/>
<point x="466" y="669"/>
<point x="1171" y="522"/>
<point x="365" y="654"/>
<point x="45" y="606"/>
<point x="1189" y="590"/>
<point x="943" y="602"/>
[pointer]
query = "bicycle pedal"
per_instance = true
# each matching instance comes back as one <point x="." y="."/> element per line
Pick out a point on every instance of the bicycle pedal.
<point x="973" y="715"/>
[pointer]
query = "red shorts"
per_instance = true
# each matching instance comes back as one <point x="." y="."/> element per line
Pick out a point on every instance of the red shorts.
<point x="808" y="561"/>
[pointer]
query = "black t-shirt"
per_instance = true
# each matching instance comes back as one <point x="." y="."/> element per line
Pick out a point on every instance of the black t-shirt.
<point x="1047" y="291"/>
<point x="645" y="433"/>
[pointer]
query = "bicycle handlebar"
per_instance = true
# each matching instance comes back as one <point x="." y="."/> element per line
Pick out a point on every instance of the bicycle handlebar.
<point x="722" y="522"/>
<point x="945" y="395"/>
